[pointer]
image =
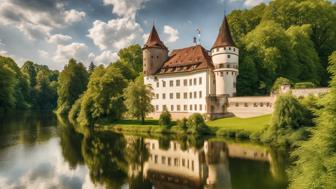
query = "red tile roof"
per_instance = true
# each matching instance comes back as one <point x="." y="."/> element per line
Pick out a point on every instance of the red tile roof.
<point x="187" y="59"/>
<point x="154" y="40"/>
<point x="224" y="37"/>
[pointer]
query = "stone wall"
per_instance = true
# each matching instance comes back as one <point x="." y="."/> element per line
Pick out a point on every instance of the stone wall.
<point x="306" y="92"/>
<point x="250" y="106"/>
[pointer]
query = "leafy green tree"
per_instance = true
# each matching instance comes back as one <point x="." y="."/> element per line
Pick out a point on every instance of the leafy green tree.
<point x="289" y="122"/>
<point x="45" y="91"/>
<point x="138" y="97"/>
<point x="71" y="84"/>
<point x="92" y="66"/>
<point x="103" y="100"/>
<point x="196" y="123"/>
<point x="132" y="55"/>
<point x="269" y="46"/>
<point x="165" y="118"/>
<point x="7" y="88"/>
<point x="308" y="59"/>
<point x="320" y="14"/>
<point x="315" y="166"/>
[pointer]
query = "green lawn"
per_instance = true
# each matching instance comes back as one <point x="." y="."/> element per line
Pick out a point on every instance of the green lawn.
<point x="225" y="126"/>
<point x="248" y="124"/>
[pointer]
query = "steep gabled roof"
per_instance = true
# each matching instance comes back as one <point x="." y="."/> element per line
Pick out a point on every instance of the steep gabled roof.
<point x="224" y="37"/>
<point x="154" y="40"/>
<point x="187" y="59"/>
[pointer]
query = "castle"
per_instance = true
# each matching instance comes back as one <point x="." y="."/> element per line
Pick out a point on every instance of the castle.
<point x="192" y="79"/>
<point x="195" y="80"/>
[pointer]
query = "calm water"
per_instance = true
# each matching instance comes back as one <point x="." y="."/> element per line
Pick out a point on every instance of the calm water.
<point x="37" y="151"/>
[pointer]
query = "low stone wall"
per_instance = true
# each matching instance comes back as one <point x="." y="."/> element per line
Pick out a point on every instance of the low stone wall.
<point x="250" y="106"/>
<point x="306" y="92"/>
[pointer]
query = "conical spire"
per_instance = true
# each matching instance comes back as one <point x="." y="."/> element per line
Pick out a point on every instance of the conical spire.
<point x="154" y="40"/>
<point x="224" y="37"/>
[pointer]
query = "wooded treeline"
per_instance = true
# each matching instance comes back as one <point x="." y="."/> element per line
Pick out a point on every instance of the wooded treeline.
<point x="291" y="39"/>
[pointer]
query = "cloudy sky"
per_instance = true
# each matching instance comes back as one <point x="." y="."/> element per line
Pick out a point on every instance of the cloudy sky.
<point x="52" y="31"/>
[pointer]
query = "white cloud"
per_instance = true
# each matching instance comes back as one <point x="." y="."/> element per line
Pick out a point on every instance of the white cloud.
<point x="125" y="8"/>
<point x="43" y="54"/>
<point x="106" y="57"/>
<point x="145" y="37"/>
<point x="116" y="33"/>
<point x="171" y="32"/>
<point x="3" y="53"/>
<point x="78" y="51"/>
<point x="252" y="3"/>
<point x="73" y="16"/>
<point x="59" y="39"/>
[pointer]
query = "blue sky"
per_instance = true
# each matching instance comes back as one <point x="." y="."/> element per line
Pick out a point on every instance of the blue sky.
<point x="52" y="31"/>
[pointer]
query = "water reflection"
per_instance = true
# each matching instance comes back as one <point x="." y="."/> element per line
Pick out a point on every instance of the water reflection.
<point x="59" y="157"/>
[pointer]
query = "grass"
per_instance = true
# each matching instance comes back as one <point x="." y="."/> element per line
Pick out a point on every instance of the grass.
<point x="230" y="127"/>
<point x="254" y="124"/>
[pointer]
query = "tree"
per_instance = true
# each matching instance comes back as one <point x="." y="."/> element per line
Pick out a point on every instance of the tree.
<point x="269" y="47"/>
<point x="71" y="84"/>
<point x="103" y="100"/>
<point x="92" y="66"/>
<point x="132" y="55"/>
<point x="165" y="118"/>
<point x="315" y="166"/>
<point x="138" y="97"/>
<point x="7" y="87"/>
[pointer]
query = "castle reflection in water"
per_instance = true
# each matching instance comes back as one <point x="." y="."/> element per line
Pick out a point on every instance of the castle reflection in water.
<point x="206" y="166"/>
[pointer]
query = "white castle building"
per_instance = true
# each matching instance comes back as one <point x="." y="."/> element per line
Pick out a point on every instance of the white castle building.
<point x="192" y="79"/>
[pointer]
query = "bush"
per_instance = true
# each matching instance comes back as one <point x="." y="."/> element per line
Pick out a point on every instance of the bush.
<point x="183" y="124"/>
<point x="304" y="85"/>
<point x="196" y="123"/>
<point x="165" y="118"/>
<point x="279" y="82"/>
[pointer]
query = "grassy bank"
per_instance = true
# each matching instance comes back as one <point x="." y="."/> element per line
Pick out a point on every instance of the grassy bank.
<point x="230" y="127"/>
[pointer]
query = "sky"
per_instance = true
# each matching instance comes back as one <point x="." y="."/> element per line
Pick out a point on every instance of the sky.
<point x="50" y="32"/>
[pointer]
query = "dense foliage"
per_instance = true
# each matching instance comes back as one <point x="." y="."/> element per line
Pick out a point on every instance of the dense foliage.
<point x="71" y="84"/>
<point x="315" y="167"/>
<point x="165" y="118"/>
<point x="138" y="97"/>
<point x="290" y="39"/>
<point x="290" y="120"/>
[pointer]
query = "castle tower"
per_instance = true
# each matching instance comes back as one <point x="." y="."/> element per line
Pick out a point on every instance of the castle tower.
<point x="225" y="57"/>
<point x="155" y="53"/>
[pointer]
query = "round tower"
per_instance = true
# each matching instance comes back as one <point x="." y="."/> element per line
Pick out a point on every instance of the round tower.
<point x="225" y="57"/>
<point x="154" y="52"/>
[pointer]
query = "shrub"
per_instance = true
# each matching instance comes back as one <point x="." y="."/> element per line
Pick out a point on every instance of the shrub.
<point x="304" y="85"/>
<point x="165" y="118"/>
<point x="196" y="123"/>
<point x="183" y="124"/>
<point x="280" y="81"/>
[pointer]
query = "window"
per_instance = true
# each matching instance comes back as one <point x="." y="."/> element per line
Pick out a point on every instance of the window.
<point x="195" y="81"/>
<point x="157" y="107"/>
<point x="195" y="94"/>
<point x="171" y="107"/>
<point x="185" y="107"/>
<point x="190" y="82"/>
<point x="237" y="104"/>
<point x="157" y="96"/>
<point x="234" y="84"/>
<point x="153" y="146"/>
<point x="200" y="94"/>
<point x="177" y="95"/>
<point x="177" y="83"/>
<point x="178" y="107"/>
<point x="185" y="82"/>
<point x="229" y="48"/>
<point x="176" y="162"/>
<point x="171" y="95"/>
<point x="234" y="49"/>
<point x="185" y="95"/>
<point x="163" y="96"/>
<point x="217" y="49"/>
<point x="163" y="84"/>
<point x="200" y="107"/>
<point x="221" y="74"/>
<point x="229" y="56"/>
<point x="255" y="105"/>
<point x="190" y="107"/>
<point x="171" y="83"/>
<point x="190" y="95"/>
<point x="169" y="161"/>
<point x="200" y="81"/>
<point x="157" y="84"/>
<point x="156" y="158"/>
<point x="246" y="105"/>
<point x="183" y="162"/>
<point x="163" y="160"/>
<point x="195" y="107"/>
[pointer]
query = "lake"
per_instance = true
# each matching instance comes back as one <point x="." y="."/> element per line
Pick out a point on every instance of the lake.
<point x="38" y="151"/>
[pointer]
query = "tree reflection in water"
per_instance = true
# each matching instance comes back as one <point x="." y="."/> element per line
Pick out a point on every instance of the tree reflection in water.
<point x="116" y="160"/>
